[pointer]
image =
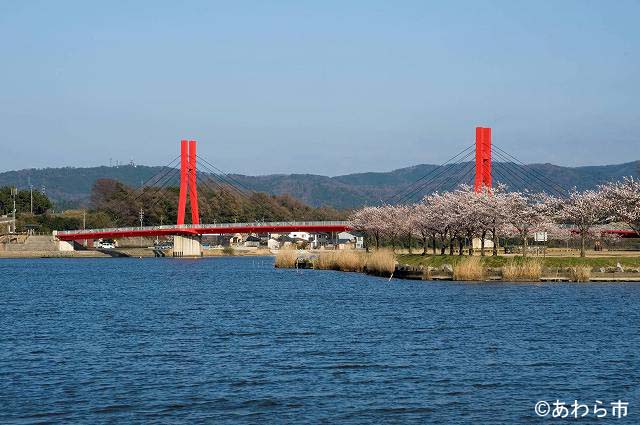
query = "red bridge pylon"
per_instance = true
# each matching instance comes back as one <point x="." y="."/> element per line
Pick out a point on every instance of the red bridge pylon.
<point x="188" y="181"/>
<point x="483" y="159"/>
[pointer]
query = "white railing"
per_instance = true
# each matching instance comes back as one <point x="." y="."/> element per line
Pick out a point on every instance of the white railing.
<point x="255" y="225"/>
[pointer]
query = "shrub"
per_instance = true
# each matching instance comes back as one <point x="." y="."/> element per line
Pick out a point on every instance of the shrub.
<point x="469" y="268"/>
<point x="228" y="250"/>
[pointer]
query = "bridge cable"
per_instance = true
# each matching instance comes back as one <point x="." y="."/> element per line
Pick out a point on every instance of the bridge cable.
<point x="462" y="177"/>
<point x="165" y="171"/>
<point x="225" y="185"/>
<point x="227" y="175"/>
<point x="532" y="170"/>
<point x="228" y="183"/>
<point x="454" y="180"/>
<point x="521" y="181"/>
<point x="434" y="178"/>
<point x="525" y="176"/>
<point x="510" y="168"/>
<point x="160" y="191"/>
<point x="539" y="175"/>
<point x="436" y="172"/>
<point x="158" y="176"/>
<point x="218" y="187"/>
<point x="503" y="167"/>
<point x="222" y="178"/>
<point x="409" y="187"/>
<point x="501" y="178"/>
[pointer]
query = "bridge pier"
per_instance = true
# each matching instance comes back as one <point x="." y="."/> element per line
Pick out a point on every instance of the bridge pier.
<point x="65" y="246"/>
<point x="187" y="246"/>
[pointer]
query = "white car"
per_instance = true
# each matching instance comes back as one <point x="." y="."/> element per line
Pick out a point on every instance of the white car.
<point x="106" y="245"/>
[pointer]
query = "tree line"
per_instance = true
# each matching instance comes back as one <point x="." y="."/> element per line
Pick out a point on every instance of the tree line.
<point x="222" y="204"/>
<point x="23" y="198"/>
<point x="114" y="204"/>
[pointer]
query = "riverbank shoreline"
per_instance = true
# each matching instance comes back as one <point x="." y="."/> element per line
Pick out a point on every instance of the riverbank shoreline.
<point x="622" y="268"/>
<point x="129" y="253"/>
<point x="472" y="268"/>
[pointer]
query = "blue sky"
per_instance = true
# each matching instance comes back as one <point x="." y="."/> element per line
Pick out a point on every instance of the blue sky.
<point x="327" y="87"/>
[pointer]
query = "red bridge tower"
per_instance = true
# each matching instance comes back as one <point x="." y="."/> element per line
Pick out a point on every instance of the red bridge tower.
<point x="483" y="159"/>
<point x="188" y="182"/>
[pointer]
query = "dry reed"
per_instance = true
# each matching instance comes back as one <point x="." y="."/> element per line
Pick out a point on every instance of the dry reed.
<point x="470" y="268"/>
<point x="286" y="258"/>
<point x="382" y="261"/>
<point x="529" y="269"/>
<point x="346" y="261"/>
<point x="580" y="273"/>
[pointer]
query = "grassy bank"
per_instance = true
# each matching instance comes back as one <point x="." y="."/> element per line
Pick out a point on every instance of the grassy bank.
<point x="513" y="261"/>
<point x="466" y="268"/>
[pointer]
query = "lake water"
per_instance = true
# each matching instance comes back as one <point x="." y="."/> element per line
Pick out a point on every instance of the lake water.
<point x="235" y="340"/>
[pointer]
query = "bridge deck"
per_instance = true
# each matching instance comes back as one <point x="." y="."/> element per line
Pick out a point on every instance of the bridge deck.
<point x="205" y="229"/>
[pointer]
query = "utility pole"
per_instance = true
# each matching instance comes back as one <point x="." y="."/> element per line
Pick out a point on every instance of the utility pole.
<point x="31" y="194"/>
<point x="141" y="221"/>
<point x="84" y="219"/>
<point x="157" y="236"/>
<point x="14" y="193"/>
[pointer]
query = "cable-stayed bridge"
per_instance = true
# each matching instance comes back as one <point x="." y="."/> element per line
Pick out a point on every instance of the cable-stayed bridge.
<point x="482" y="174"/>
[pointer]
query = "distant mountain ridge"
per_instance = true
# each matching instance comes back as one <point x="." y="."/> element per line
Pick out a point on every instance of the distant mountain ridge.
<point x="70" y="186"/>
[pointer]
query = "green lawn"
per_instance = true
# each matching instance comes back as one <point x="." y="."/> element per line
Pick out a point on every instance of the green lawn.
<point x="499" y="261"/>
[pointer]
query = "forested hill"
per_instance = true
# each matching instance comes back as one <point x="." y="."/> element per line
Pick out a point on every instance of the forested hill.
<point x="72" y="186"/>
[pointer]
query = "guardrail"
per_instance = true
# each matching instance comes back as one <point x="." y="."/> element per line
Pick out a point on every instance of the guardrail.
<point x="256" y="224"/>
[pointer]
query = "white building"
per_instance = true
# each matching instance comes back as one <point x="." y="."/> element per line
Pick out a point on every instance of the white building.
<point x="348" y="240"/>
<point x="300" y="235"/>
<point x="273" y="244"/>
<point x="476" y="243"/>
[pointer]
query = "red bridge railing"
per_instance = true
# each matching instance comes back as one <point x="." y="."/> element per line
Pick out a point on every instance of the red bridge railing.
<point x="205" y="229"/>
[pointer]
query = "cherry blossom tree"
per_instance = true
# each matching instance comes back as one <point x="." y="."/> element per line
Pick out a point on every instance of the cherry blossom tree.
<point x="395" y="221"/>
<point x="525" y="215"/>
<point x="370" y="221"/>
<point x="625" y="201"/>
<point x="425" y="223"/>
<point x="451" y="217"/>
<point x="495" y="206"/>
<point x="583" y="210"/>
